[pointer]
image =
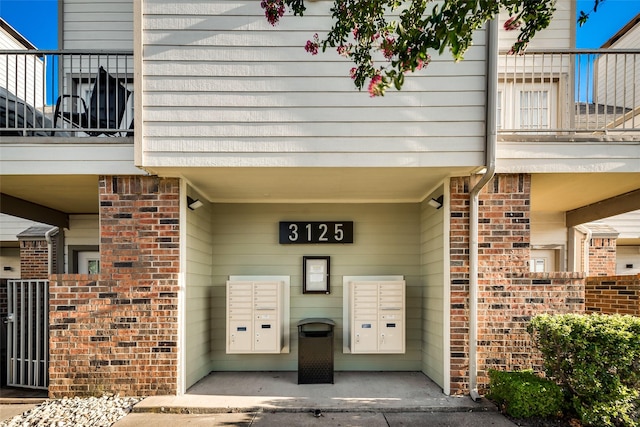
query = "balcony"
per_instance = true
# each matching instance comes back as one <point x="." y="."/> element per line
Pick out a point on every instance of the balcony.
<point x="569" y="95"/>
<point x="552" y="94"/>
<point x="66" y="95"/>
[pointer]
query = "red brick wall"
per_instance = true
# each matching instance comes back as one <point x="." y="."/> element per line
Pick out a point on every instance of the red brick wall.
<point x="508" y="294"/>
<point x="613" y="295"/>
<point x="117" y="332"/>
<point x="602" y="256"/>
<point x="34" y="259"/>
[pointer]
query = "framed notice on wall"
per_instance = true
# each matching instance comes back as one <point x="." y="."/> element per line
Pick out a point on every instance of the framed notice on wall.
<point x="315" y="274"/>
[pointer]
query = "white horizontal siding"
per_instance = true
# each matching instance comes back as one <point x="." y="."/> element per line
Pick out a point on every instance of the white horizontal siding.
<point x="558" y="35"/>
<point x="617" y="80"/>
<point x="532" y="157"/>
<point x="217" y="77"/>
<point x="11" y="226"/>
<point x="548" y="228"/>
<point x="21" y="75"/>
<point x="93" y="158"/>
<point x="92" y="24"/>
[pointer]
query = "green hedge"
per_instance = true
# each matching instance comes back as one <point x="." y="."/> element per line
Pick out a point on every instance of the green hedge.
<point x="524" y="394"/>
<point x="596" y="358"/>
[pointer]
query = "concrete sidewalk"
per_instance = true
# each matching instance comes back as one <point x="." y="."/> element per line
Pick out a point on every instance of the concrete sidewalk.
<point x="343" y="419"/>
<point x="368" y="399"/>
<point x="223" y="392"/>
<point x="371" y="399"/>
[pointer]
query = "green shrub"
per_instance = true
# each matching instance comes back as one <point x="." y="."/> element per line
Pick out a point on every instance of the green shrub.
<point x="597" y="359"/>
<point x="524" y="394"/>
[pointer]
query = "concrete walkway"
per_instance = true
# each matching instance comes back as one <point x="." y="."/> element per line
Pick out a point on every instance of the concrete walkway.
<point x="223" y="392"/>
<point x="269" y="399"/>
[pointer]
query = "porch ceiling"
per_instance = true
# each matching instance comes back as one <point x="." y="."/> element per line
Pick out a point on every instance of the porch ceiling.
<point x="567" y="191"/>
<point x="71" y="194"/>
<point x="76" y="194"/>
<point x="315" y="185"/>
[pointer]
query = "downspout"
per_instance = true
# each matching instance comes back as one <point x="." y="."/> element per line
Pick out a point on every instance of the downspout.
<point x="47" y="236"/>
<point x="490" y="161"/>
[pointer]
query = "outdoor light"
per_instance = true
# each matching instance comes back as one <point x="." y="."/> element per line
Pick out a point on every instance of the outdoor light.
<point x="436" y="203"/>
<point x="193" y="204"/>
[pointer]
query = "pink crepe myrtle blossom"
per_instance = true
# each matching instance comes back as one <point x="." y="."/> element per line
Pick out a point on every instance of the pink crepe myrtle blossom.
<point x="343" y="50"/>
<point x="352" y="72"/>
<point x="376" y="86"/>
<point x="273" y="10"/>
<point x="512" y="23"/>
<point x="387" y="47"/>
<point x="312" y="46"/>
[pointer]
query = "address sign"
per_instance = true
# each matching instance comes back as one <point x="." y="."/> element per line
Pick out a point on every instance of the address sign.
<point x="292" y="232"/>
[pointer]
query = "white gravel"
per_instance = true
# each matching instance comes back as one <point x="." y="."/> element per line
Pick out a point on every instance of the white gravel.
<point x="75" y="412"/>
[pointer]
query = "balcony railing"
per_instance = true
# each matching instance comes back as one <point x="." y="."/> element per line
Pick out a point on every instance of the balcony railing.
<point x="576" y="92"/>
<point x="551" y="92"/>
<point x="66" y="93"/>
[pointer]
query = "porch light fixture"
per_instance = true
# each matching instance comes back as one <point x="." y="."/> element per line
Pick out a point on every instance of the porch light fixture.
<point x="436" y="203"/>
<point x="194" y="204"/>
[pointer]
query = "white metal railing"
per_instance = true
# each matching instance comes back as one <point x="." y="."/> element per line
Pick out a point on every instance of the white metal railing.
<point x="28" y="333"/>
<point x="582" y="91"/>
<point x="66" y="93"/>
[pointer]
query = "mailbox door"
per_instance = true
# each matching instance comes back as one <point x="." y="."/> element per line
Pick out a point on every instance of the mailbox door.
<point x="391" y="334"/>
<point x="240" y="333"/>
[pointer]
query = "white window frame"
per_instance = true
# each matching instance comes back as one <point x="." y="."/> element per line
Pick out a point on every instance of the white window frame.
<point x="509" y="105"/>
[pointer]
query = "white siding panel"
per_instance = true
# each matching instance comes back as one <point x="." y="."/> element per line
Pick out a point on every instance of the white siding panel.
<point x="218" y="71"/>
<point x="22" y="75"/>
<point x="432" y="243"/>
<point x="198" y="296"/>
<point x="91" y="24"/>
<point x="91" y="158"/>
<point x="558" y="35"/>
<point x="269" y="100"/>
<point x="548" y="228"/>
<point x="628" y="256"/>
<point x="283" y="130"/>
<point x="531" y="157"/>
<point x="9" y="263"/>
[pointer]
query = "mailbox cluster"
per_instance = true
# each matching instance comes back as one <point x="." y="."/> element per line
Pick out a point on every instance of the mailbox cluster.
<point x="377" y="317"/>
<point x="256" y="320"/>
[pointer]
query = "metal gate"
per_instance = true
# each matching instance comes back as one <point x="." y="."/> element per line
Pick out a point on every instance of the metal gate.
<point x="28" y="333"/>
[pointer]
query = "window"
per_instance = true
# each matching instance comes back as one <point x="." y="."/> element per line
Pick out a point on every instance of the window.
<point x="538" y="265"/>
<point x="534" y="109"/>
<point x="527" y="106"/>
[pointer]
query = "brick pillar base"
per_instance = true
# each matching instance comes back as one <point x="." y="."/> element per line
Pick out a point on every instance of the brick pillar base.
<point x="508" y="294"/>
<point x="117" y="332"/>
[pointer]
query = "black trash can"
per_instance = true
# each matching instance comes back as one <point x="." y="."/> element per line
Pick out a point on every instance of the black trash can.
<point x="315" y="351"/>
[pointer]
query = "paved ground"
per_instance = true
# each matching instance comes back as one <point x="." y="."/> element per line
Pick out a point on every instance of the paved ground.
<point x="269" y="399"/>
<point x="343" y="419"/>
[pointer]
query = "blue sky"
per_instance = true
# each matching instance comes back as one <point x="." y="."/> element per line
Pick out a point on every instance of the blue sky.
<point x="37" y="20"/>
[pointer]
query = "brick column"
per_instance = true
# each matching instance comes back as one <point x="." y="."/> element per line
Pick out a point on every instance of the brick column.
<point x="508" y="294"/>
<point x="34" y="259"/>
<point x="602" y="255"/>
<point x="117" y="332"/>
<point x="34" y="252"/>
